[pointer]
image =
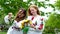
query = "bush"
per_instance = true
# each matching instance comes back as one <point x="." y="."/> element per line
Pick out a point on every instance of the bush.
<point x="52" y="23"/>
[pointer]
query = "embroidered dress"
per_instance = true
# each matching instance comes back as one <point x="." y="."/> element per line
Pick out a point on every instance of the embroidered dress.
<point x="12" y="30"/>
<point x="38" y="22"/>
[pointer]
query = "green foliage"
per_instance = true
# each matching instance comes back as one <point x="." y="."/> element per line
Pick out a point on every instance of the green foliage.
<point x="41" y="13"/>
<point x="52" y="23"/>
<point x="57" y="4"/>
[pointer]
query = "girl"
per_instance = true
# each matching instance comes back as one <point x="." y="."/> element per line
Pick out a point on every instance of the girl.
<point x="37" y="20"/>
<point x="14" y="29"/>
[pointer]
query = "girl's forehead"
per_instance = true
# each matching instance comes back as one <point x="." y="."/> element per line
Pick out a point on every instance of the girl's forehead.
<point x="32" y="8"/>
<point x="21" y="10"/>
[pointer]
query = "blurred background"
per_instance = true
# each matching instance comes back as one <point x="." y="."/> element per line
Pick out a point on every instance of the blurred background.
<point x="50" y="9"/>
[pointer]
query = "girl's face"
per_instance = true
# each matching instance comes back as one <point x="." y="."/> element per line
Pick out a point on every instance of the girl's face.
<point x="33" y="11"/>
<point x="21" y="14"/>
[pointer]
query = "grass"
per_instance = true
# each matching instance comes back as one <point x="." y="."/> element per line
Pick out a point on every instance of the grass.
<point x="2" y="32"/>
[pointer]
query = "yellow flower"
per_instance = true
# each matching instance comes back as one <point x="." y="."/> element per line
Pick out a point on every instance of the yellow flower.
<point x="25" y="22"/>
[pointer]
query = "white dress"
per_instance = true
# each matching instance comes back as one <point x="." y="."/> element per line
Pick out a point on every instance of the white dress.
<point x="38" y="20"/>
<point x="14" y="31"/>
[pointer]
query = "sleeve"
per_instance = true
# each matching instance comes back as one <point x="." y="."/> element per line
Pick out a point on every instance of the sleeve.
<point x="45" y="18"/>
<point x="14" y="24"/>
<point x="29" y="18"/>
<point x="40" y="24"/>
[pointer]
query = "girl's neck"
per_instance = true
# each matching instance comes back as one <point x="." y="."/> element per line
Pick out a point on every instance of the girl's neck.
<point x="19" y="19"/>
<point x="35" y="15"/>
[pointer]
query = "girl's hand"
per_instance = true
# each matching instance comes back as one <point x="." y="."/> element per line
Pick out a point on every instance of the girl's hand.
<point x="33" y="26"/>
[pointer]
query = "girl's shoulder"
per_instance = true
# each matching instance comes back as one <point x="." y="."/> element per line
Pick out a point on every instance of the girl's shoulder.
<point x="15" y="21"/>
<point x="29" y="16"/>
<point x="38" y="16"/>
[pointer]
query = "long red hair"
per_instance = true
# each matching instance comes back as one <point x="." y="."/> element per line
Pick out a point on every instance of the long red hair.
<point x="34" y="6"/>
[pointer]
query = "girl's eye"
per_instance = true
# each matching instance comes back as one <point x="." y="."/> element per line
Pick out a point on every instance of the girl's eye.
<point x="32" y="10"/>
<point x="22" y="14"/>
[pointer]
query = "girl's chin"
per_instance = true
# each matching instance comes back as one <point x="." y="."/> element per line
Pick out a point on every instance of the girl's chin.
<point x="33" y="14"/>
<point x="20" y="17"/>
